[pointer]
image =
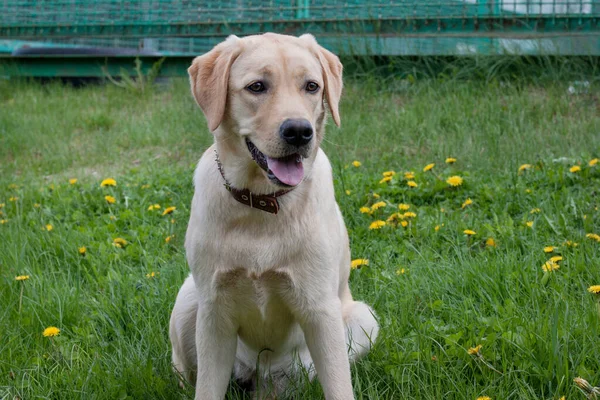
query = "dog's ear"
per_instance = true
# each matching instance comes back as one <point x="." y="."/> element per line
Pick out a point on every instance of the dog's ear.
<point x="332" y="74"/>
<point x="209" y="78"/>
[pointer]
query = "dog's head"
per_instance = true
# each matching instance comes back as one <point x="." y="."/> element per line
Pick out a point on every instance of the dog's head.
<point x="265" y="97"/>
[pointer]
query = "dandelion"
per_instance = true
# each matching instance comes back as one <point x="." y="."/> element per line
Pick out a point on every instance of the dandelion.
<point x="549" y="249"/>
<point x="49" y="227"/>
<point x="348" y="192"/>
<point x="168" y="238"/>
<point x="154" y="207"/>
<point x="72" y="181"/>
<point x="377" y="224"/>
<point x="569" y="243"/>
<point x="403" y="206"/>
<point x="110" y="199"/>
<point x="119" y="242"/>
<point x="169" y="210"/>
<point x="21" y="278"/>
<point x="108" y="182"/>
<point x="575" y="168"/>
<point x="394" y="217"/>
<point x="550" y="266"/>
<point x="467" y="203"/>
<point x="591" y="391"/>
<point x="594" y="289"/>
<point x="82" y="250"/>
<point x="404" y="223"/>
<point x="356" y="163"/>
<point x="454" y="181"/>
<point x="389" y="173"/>
<point x="484" y="398"/>
<point x="556" y="259"/>
<point x="475" y="350"/>
<point x="36" y="205"/>
<point x="51" y="331"/>
<point x="524" y="167"/>
<point x="450" y="160"/>
<point x="593" y="236"/>
<point x="412" y="184"/>
<point x="409" y="175"/>
<point x="359" y="262"/>
<point x="409" y="214"/>
<point x="152" y="275"/>
<point x="428" y="167"/>
<point x="490" y="242"/>
<point x="365" y="210"/>
<point x="378" y="205"/>
<point x="529" y="224"/>
<point x="13" y="198"/>
<point x="3" y="221"/>
<point x="2" y="205"/>
<point x="400" y="271"/>
<point x="385" y="179"/>
<point x="145" y="186"/>
<point x="437" y="228"/>
<point x="535" y="211"/>
<point x="469" y="232"/>
<point x="593" y="162"/>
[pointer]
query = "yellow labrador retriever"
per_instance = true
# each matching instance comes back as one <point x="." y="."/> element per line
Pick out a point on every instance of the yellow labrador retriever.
<point x="266" y="243"/>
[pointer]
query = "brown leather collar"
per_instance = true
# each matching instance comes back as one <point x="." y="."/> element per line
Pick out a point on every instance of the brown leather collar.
<point x="264" y="202"/>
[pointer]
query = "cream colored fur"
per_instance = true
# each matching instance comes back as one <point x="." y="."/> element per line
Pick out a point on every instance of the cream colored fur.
<point x="266" y="290"/>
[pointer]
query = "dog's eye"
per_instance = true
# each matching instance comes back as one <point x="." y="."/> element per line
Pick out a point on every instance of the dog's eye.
<point x="312" y="87"/>
<point x="256" y="87"/>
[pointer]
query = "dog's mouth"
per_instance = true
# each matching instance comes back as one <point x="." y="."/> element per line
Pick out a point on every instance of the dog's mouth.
<point x="284" y="171"/>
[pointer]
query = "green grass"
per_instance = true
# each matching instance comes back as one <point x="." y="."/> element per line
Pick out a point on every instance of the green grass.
<point x="539" y="330"/>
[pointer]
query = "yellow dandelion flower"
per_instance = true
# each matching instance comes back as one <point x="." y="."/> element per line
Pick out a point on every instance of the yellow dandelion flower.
<point x="409" y="214"/>
<point x="394" y="217"/>
<point x="21" y="277"/>
<point x="376" y="196"/>
<point x="400" y="271"/>
<point x="365" y="210"/>
<point x="593" y="236"/>
<point x="356" y="163"/>
<point x="524" y="167"/>
<point x="467" y="203"/>
<point x="389" y="173"/>
<point x="556" y="259"/>
<point x="484" y="398"/>
<point x="154" y="207"/>
<point x="549" y="249"/>
<point x="73" y="181"/>
<point x="145" y="186"/>
<point x="575" y="168"/>
<point x="82" y="250"/>
<point x="535" y="211"/>
<point x="475" y="350"/>
<point x="428" y="167"/>
<point x="3" y="221"/>
<point x="469" y="232"/>
<point x="51" y="331"/>
<point x="527" y="190"/>
<point x="169" y="210"/>
<point x="550" y="266"/>
<point x="454" y="180"/>
<point x="412" y="184"/>
<point x="348" y="192"/>
<point x="594" y="289"/>
<point x="152" y="275"/>
<point x="108" y="182"/>
<point x="529" y="224"/>
<point x="13" y="198"/>
<point x="378" y="205"/>
<point x="437" y="228"/>
<point x="409" y="175"/>
<point x="385" y="179"/>
<point x="404" y="223"/>
<point x="37" y="205"/>
<point x="594" y="162"/>
<point x="359" y="262"/>
<point x="169" y="238"/>
<point x="49" y="227"/>
<point x="403" y="206"/>
<point x="490" y="242"/>
<point x="569" y="243"/>
<point x="110" y="199"/>
<point x="119" y="242"/>
<point x="2" y="205"/>
<point x="376" y="224"/>
<point x="450" y="160"/>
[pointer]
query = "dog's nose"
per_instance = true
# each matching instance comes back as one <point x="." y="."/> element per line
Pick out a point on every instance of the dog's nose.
<point x="296" y="132"/>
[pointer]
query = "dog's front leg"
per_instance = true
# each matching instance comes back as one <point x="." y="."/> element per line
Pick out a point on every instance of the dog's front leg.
<point x="216" y="343"/>
<point x="324" y="333"/>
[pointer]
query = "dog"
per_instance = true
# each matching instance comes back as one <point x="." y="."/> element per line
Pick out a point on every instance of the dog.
<point x="268" y="295"/>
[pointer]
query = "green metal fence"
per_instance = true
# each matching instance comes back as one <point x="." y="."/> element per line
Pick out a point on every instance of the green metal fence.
<point x="405" y="27"/>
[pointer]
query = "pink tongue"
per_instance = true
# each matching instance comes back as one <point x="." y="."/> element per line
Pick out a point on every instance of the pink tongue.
<point x="287" y="170"/>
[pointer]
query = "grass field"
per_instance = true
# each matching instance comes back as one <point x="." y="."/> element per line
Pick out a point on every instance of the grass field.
<point x="438" y="292"/>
